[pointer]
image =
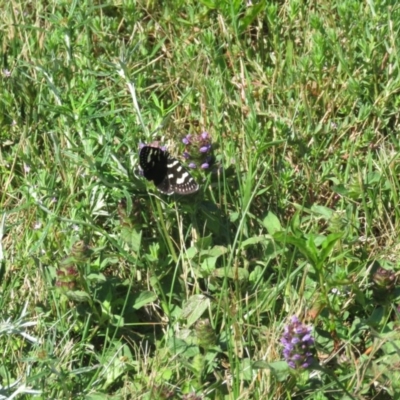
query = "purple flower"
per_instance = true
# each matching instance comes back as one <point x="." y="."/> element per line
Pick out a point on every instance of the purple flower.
<point x="198" y="150"/>
<point x="205" y="149"/>
<point x="186" y="139"/>
<point x="298" y="344"/>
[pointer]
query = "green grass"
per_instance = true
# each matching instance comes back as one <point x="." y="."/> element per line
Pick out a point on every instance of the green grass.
<point x="109" y="289"/>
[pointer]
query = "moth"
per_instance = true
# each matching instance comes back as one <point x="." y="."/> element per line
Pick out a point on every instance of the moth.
<point x="167" y="173"/>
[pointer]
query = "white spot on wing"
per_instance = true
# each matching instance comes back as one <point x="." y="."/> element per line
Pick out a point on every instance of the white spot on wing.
<point x="183" y="178"/>
<point x="172" y="163"/>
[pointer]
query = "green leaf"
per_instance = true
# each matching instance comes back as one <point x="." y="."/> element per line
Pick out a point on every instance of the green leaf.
<point x="252" y="241"/>
<point x="256" y="274"/>
<point x="180" y="347"/>
<point x="233" y="273"/>
<point x="143" y="299"/>
<point x="204" y="243"/>
<point x="132" y="238"/>
<point x="115" y="365"/>
<point x="307" y="249"/>
<point x="251" y="14"/>
<point x="209" y="4"/>
<point x="246" y="371"/>
<point x="208" y="265"/>
<point x="234" y="216"/>
<point x="340" y="189"/>
<point x="323" y="211"/>
<point x="327" y="246"/>
<point x="78" y="296"/>
<point x="272" y="224"/>
<point x="191" y="252"/>
<point x="217" y="251"/>
<point x="194" y="308"/>
<point x="279" y="369"/>
<point x="96" y="277"/>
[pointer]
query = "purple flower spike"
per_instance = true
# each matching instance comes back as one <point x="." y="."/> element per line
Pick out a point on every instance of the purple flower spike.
<point x="297" y="344"/>
<point x="198" y="150"/>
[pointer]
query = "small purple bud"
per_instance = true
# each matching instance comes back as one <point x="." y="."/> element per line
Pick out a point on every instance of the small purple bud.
<point x="285" y="342"/>
<point x="205" y="149"/>
<point x="287" y="352"/>
<point x="141" y="145"/>
<point x="186" y="139"/>
<point x="308" y="338"/>
<point x="202" y="156"/>
<point x="163" y="148"/>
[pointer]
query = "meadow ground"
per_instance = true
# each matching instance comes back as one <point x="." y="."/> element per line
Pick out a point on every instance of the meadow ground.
<point x="278" y="278"/>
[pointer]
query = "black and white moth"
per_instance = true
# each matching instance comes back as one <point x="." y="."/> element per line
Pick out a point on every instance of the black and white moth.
<point x="166" y="172"/>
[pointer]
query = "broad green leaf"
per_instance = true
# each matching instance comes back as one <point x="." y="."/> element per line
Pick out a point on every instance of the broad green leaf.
<point x="300" y="244"/>
<point x="208" y="265"/>
<point x="191" y="252"/>
<point x="78" y="295"/>
<point x="204" y="243"/>
<point x="194" y="308"/>
<point x="322" y="210"/>
<point x="253" y="240"/>
<point x="232" y="273"/>
<point x="132" y="238"/>
<point x="144" y="298"/>
<point x="328" y="244"/>
<point x="272" y="224"/>
<point x="256" y="274"/>
<point x="279" y="369"/>
<point x="217" y="251"/>
<point x="234" y="216"/>
<point x="246" y="371"/>
<point x="180" y="347"/>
